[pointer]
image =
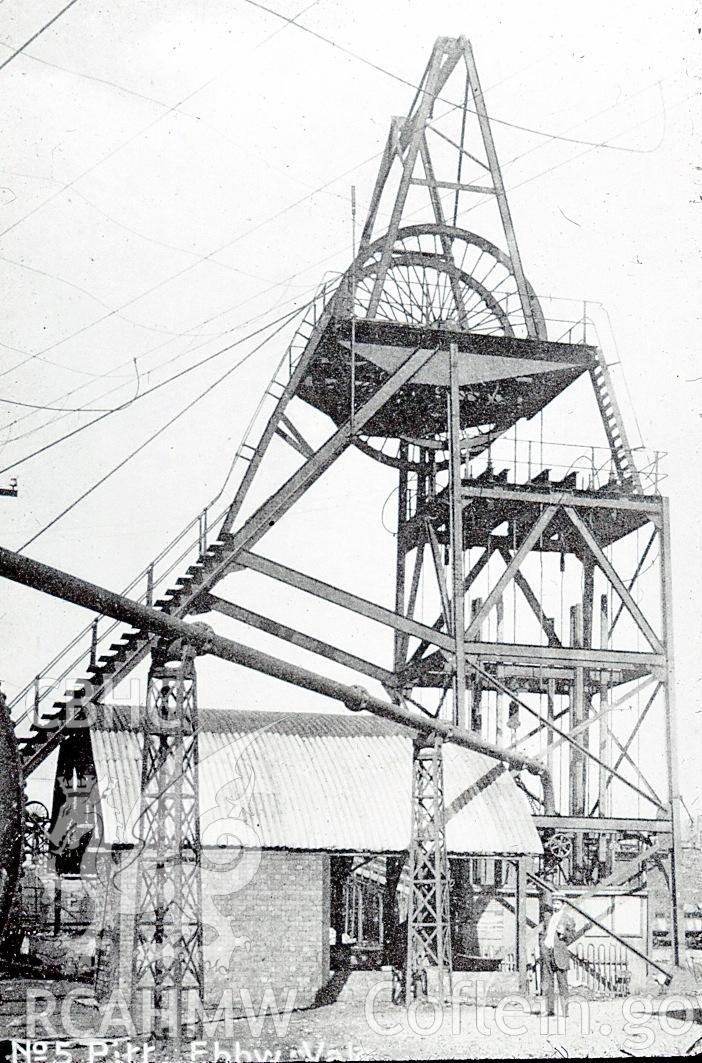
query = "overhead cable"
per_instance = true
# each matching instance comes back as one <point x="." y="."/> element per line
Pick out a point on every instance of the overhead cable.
<point x="159" y="431"/>
<point x="156" y="387"/>
<point x="18" y="51"/>
<point x="417" y="88"/>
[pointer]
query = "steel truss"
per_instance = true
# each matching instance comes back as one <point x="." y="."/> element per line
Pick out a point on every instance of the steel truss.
<point x="453" y="303"/>
<point x="584" y="669"/>
<point x="408" y="144"/>
<point x="167" y="961"/>
<point x="428" y="914"/>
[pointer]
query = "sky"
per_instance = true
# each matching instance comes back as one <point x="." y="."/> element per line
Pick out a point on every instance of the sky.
<point x="175" y="176"/>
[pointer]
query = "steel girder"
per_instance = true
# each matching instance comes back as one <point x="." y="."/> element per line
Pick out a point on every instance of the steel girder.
<point x="167" y="960"/>
<point x="591" y="520"/>
<point x="428" y="913"/>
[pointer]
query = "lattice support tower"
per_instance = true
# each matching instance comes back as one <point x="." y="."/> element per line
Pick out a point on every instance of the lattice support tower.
<point x="428" y="914"/>
<point x="167" y="962"/>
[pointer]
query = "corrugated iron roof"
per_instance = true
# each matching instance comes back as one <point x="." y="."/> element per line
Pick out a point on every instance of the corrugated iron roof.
<point x="314" y="781"/>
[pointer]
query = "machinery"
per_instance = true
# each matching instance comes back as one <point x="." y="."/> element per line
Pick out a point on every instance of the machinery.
<point x="432" y="355"/>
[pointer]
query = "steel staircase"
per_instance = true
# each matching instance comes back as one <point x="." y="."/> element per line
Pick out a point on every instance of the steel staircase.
<point x="105" y="651"/>
<point x="129" y="647"/>
<point x="626" y="471"/>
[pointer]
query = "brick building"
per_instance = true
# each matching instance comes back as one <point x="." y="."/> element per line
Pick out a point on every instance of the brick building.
<point x="293" y="808"/>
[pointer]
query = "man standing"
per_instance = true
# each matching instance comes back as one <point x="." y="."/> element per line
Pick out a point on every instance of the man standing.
<point x="555" y="955"/>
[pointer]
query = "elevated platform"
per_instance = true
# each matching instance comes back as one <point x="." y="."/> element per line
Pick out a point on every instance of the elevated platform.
<point x="502" y="378"/>
<point x="491" y="499"/>
<point x="532" y="668"/>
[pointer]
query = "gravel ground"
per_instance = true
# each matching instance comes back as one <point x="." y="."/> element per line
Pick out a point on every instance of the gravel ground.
<point x="642" y="1026"/>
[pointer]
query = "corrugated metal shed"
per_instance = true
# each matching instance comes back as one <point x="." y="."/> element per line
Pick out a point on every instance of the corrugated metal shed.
<point x="314" y="781"/>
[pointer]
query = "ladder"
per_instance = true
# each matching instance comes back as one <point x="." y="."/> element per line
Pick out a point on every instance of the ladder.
<point x="626" y="471"/>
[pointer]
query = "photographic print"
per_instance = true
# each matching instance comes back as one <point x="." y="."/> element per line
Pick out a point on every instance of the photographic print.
<point x="350" y="398"/>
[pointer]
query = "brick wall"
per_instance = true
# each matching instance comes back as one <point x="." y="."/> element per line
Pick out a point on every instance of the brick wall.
<point x="265" y="926"/>
<point x="271" y="932"/>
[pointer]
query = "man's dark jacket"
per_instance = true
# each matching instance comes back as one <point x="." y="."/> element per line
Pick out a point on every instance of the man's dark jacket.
<point x="564" y="936"/>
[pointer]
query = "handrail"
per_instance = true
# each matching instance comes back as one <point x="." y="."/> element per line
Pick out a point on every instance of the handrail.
<point x="206" y="529"/>
<point x="156" y="580"/>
